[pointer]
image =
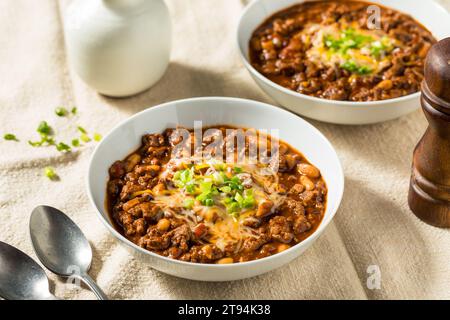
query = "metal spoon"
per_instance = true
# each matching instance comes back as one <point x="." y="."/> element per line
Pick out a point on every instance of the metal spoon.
<point x="61" y="246"/>
<point x="21" y="278"/>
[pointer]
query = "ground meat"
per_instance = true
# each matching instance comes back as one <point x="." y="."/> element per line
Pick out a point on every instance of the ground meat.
<point x="291" y="205"/>
<point x="254" y="243"/>
<point x="280" y="229"/>
<point x="140" y="226"/>
<point x="301" y="224"/>
<point x="297" y="189"/>
<point x="151" y="212"/>
<point x="156" y="151"/>
<point x="173" y="252"/>
<point x="114" y="187"/>
<point x="153" y="140"/>
<point x="155" y="240"/>
<point x="152" y="170"/>
<point x="173" y="137"/>
<point x="128" y="189"/>
<point x="180" y="237"/>
<point x="286" y="161"/>
<point x="210" y="252"/>
<point x="251" y="222"/>
<point x="147" y="181"/>
<point x="203" y="254"/>
<point x="334" y="92"/>
<point x="126" y="220"/>
<point x="308" y="198"/>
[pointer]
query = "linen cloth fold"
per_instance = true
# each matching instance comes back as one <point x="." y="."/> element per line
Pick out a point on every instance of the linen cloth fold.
<point x="373" y="231"/>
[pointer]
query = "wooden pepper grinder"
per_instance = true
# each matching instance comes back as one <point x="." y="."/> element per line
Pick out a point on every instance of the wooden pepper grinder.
<point x="429" y="192"/>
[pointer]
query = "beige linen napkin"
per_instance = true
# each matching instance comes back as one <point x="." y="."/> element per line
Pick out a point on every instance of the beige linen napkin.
<point x="373" y="227"/>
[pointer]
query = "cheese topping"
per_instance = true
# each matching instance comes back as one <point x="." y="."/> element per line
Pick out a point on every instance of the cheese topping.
<point x="349" y="47"/>
<point x="220" y="195"/>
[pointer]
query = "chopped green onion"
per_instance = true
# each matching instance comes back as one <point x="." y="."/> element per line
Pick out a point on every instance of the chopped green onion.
<point x="190" y="188"/>
<point x="248" y="202"/>
<point x="237" y="170"/>
<point x="185" y="176"/>
<point x="82" y="130"/>
<point x="227" y="200"/>
<point x="85" y="138"/>
<point x="74" y="110"/>
<point x="49" y="140"/>
<point x="349" y="39"/>
<point x="349" y="66"/>
<point x="203" y="196"/>
<point x="214" y="191"/>
<point x="206" y="186"/>
<point x="331" y="43"/>
<point x="381" y="46"/>
<point x="35" y="143"/>
<point x="44" y="128"/>
<point x="75" y="142"/>
<point x="218" y="177"/>
<point x="10" y="137"/>
<point x="235" y="183"/>
<point x="62" y="147"/>
<point x="364" y="70"/>
<point x="97" y="137"/>
<point x="233" y="207"/>
<point x="61" y="111"/>
<point x="44" y="139"/>
<point x="238" y="197"/>
<point x="225" y="189"/>
<point x="189" y="203"/>
<point x="50" y="173"/>
<point x="354" y="68"/>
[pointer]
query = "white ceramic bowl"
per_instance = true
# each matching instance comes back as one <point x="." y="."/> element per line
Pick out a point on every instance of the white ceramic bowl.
<point x="429" y="13"/>
<point x="126" y="137"/>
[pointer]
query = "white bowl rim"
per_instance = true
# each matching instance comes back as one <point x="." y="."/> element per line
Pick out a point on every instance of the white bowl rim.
<point x="296" y="94"/>
<point x="321" y="228"/>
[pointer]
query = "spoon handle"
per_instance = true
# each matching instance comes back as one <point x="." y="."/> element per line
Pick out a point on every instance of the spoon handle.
<point x="93" y="286"/>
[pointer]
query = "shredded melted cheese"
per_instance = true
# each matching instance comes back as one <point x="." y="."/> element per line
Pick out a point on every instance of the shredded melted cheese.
<point x="224" y="228"/>
<point x="321" y="55"/>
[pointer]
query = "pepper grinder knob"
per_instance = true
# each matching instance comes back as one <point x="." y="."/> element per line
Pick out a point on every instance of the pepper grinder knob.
<point x="429" y="192"/>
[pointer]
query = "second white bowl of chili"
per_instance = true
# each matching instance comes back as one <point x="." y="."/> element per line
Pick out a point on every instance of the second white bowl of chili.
<point x="352" y="92"/>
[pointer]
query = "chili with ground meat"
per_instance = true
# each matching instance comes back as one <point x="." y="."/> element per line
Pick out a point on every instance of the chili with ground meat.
<point x="329" y="49"/>
<point x="213" y="211"/>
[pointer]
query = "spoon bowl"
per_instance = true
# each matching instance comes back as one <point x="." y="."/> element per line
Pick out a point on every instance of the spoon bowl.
<point x="61" y="246"/>
<point x="21" y="278"/>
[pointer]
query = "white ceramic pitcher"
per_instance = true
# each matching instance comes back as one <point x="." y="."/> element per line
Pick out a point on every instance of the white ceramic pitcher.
<point x="118" y="47"/>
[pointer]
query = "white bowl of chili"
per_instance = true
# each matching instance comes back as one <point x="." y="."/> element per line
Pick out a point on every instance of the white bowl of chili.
<point x="352" y="104"/>
<point x="299" y="134"/>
